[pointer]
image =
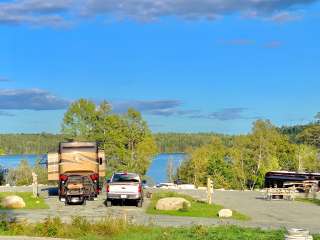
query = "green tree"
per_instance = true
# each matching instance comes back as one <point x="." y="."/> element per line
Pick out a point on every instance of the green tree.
<point x="126" y="139"/>
<point x="42" y="172"/>
<point x="199" y="161"/>
<point x="80" y="122"/>
<point x="307" y="159"/>
<point x="22" y="175"/>
<point x="170" y="170"/>
<point x="240" y="154"/>
<point x="219" y="165"/>
<point x="310" y="136"/>
<point x="2" y="152"/>
<point x="264" y="140"/>
<point x="286" y="154"/>
<point x="140" y="144"/>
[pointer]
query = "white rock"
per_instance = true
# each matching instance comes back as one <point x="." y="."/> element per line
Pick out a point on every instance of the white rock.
<point x="13" y="202"/>
<point x="171" y="203"/>
<point x="225" y="213"/>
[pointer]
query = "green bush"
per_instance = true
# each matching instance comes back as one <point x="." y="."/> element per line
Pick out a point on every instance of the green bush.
<point x="22" y="175"/>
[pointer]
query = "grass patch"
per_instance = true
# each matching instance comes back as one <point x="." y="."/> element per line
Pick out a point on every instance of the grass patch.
<point x="118" y="229"/>
<point x="309" y="200"/>
<point x="197" y="209"/>
<point x="31" y="202"/>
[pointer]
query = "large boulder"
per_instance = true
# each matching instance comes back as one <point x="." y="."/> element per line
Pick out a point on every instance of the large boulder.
<point x="225" y="213"/>
<point x="172" y="204"/>
<point x="14" y="202"/>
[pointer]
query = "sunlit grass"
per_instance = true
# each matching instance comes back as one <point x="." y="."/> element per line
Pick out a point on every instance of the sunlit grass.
<point x="31" y="202"/>
<point x="309" y="200"/>
<point x="197" y="209"/>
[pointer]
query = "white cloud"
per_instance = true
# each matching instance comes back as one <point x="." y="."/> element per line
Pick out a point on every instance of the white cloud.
<point x="30" y="99"/>
<point x="61" y="12"/>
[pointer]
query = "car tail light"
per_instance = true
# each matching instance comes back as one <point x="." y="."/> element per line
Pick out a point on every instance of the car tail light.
<point x="140" y="188"/>
<point x="108" y="188"/>
<point x="63" y="178"/>
<point x="94" y="177"/>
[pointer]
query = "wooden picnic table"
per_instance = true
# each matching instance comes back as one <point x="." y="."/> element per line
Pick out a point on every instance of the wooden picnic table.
<point x="280" y="194"/>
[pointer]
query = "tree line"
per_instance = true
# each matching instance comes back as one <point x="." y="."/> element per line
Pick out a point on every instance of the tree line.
<point x="44" y="142"/>
<point x="243" y="161"/>
<point x="125" y="138"/>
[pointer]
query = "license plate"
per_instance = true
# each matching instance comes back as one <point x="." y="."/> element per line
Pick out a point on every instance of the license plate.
<point x="75" y="199"/>
<point x="123" y="196"/>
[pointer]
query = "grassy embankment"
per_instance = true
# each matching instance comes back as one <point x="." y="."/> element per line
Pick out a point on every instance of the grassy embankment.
<point x="309" y="200"/>
<point x="197" y="209"/>
<point x="31" y="202"/>
<point x="118" y="229"/>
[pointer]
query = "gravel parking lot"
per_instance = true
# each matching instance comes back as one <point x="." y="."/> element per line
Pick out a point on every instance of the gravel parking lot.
<point x="265" y="214"/>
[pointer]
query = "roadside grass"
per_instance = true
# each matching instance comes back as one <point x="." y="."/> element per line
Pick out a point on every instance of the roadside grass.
<point x="309" y="200"/>
<point x="31" y="202"/>
<point x="118" y="229"/>
<point x="197" y="209"/>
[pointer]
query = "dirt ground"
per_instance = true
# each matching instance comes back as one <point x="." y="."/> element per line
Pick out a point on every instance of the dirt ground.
<point x="265" y="214"/>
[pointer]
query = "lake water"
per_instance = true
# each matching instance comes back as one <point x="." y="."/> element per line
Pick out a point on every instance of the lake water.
<point x="157" y="170"/>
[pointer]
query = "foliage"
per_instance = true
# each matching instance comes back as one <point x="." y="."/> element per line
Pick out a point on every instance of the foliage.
<point x="31" y="202"/>
<point x="197" y="209"/>
<point x="243" y="161"/>
<point x="182" y="142"/>
<point x="78" y="228"/>
<point x="310" y="136"/>
<point x="29" y="143"/>
<point x="309" y="200"/>
<point x="170" y="170"/>
<point x="126" y="138"/>
<point x="118" y="229"/>
<point x="22" y="174"/>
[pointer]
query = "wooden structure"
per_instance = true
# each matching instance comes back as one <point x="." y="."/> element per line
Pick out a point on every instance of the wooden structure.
<point x="209" y="190"/>
<point x="280" y="179"/>
<point x="280" y="194"/>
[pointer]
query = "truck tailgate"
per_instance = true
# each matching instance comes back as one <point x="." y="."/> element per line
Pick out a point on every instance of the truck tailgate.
<point x="124" y="188"/>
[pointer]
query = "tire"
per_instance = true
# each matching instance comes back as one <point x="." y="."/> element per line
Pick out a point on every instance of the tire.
<point x="108" y="203"/>
<point x="139" y="203"/>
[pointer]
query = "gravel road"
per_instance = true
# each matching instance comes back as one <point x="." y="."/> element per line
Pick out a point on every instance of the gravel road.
<point x="264" y="214"/>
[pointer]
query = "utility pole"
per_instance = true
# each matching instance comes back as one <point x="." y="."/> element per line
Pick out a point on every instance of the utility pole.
<point x="209" y="190"/>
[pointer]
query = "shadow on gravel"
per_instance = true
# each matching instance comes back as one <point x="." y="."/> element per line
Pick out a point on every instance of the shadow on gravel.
<point x="122" y="203"/>
<point x="52" y="191"/>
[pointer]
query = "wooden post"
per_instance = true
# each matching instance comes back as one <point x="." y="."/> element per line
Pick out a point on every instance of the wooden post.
<point x="35" y="184"/>
<point x="209" y="190"/>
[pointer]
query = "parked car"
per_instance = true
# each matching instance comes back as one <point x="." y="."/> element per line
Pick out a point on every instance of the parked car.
<point x="125" y="187"/>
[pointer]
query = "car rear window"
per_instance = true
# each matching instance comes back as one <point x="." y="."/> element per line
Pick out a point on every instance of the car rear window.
<point x="123" y="177"/>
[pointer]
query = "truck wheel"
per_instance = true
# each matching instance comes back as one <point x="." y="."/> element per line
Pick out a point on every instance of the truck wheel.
<point x="139" y="203"/>
<point x="108" y="203"/>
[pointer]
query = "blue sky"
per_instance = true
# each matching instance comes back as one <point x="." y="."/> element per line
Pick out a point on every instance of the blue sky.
<point x="189" y="66"/>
